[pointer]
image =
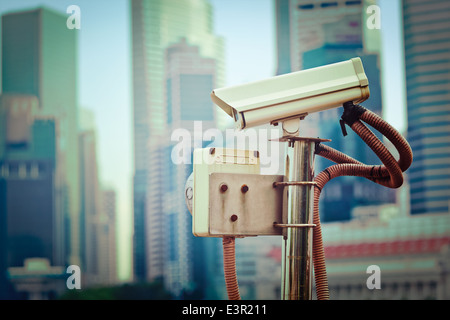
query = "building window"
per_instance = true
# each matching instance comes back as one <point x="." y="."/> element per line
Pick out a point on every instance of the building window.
<point x="169" y="100"/>
<point x="4" y="170"/>
<point x="34" y="171"/>
<point x="328" y="4"/>
<point x="306" y="6"/>
<point x="352" y="3"/>
<point x="13" y="169"/>
<point x="173" y="237"/>
<point x="420" y="290"/>
<point x="432" y="291"/>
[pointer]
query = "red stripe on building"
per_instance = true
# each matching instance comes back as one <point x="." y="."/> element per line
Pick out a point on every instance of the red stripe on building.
<point x="371" y="249"/>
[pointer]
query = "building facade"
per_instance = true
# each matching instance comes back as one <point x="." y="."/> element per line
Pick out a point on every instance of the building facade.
<point x="155" y="26"/>
<point x="410" y="253"/>
<point x="37" y="280"/>
<point x="97" y="216"/>
<point x="426" y="31"/>
<point x="90" y="213"/>
<point x="31" y="224"/>
<point x="309" y="20"/>
<point x="283" y="32"/>
<point x="109" y="235"/>
<point x="39" y="59"/>
<point x="190" y="78"/>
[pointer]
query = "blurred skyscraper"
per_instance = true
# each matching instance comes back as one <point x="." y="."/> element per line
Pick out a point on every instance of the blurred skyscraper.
<point x="97" y="216"/>
<point x="39" y="59"/>
<point x="30" y="224"/>
<point x="427" y="62"/>
<point x="283" y="32"/>
<point x="190" y="78"/>
<point x="311" y="29"/>
<point x="157" y="24"/>
<point x="108" y="236"/>
<point x="89" y="205"/>
<point x="322" y="33"/>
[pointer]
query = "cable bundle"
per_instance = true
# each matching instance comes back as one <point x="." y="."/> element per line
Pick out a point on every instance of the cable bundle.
<point x="390" y="174"/>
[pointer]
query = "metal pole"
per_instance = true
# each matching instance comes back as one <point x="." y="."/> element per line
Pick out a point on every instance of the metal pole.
<point x="297" y="240"/>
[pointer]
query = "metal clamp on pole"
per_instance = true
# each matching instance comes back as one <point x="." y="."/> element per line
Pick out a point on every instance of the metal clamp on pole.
<point x="294" y="183"/>
<point x="294" y="225"/>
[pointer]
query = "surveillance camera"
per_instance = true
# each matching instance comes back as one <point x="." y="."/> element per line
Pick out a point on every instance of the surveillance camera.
<point x="295" y="94"/>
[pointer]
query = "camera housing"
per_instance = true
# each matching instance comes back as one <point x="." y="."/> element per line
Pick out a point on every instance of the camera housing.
<point x="294" y="94"/>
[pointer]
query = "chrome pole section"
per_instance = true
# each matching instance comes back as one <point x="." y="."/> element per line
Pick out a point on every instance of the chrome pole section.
<point x="297" y="247"/>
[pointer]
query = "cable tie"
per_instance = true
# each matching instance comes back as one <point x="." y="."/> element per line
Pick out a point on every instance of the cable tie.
<point x="352" y="113"/>
<point x="343" y="129"/>
<point x="328" y="172"/>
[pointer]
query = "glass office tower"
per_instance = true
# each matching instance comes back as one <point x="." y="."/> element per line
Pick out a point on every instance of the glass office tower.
<point x="39" y="59"/>
<point x="156" y="25"/>
<point x="427" y="62"/>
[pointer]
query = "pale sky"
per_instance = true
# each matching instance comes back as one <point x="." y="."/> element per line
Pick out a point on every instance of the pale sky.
<point x="248" y="27"/>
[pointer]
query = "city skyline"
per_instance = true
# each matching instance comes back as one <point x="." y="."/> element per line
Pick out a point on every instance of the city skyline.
<point x="111" y="100"/>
